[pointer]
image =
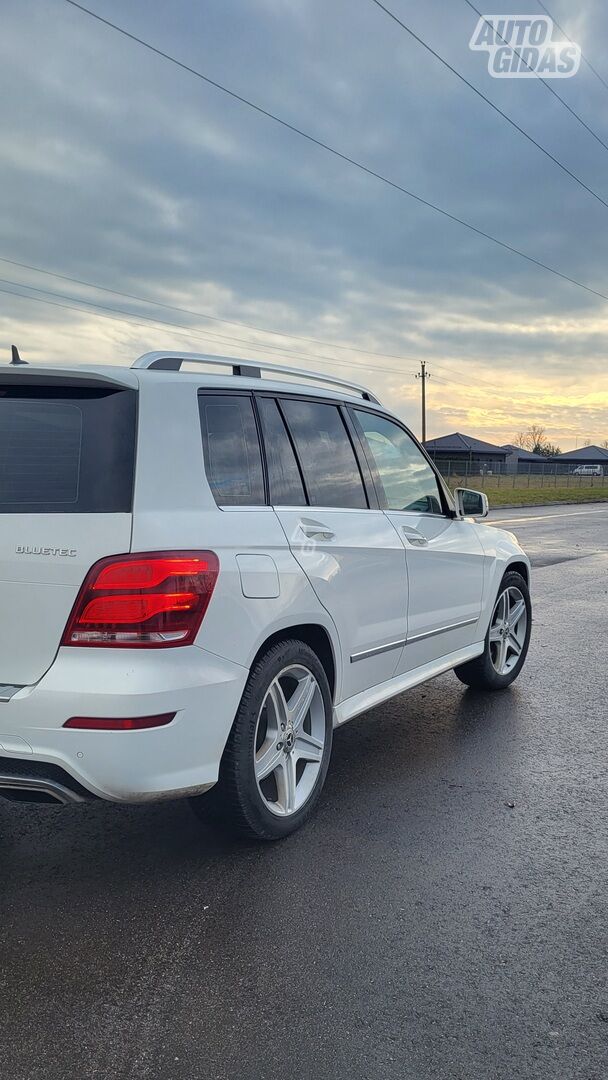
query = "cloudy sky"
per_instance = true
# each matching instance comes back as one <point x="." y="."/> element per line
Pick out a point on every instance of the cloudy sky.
<point x="124" y="171"/>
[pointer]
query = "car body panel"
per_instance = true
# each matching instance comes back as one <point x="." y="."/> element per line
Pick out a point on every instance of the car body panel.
<point x="446" y="576"/>
<point x="359" y="576"/>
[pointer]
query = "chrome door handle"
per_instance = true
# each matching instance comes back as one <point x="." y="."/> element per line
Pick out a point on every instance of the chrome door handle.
<point x="315" y="530"/>
<point x="414" y="536"/>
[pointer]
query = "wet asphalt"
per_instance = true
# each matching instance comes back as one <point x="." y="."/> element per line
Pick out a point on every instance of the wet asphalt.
<point x="445" y="914"/>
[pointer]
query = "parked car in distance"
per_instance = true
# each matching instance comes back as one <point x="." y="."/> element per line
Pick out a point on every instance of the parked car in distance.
<point x="204" y="572"/>
<point x="588" y="470"/>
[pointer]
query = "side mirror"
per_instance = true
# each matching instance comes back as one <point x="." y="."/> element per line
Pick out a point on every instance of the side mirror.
<point x="471" y="503"/>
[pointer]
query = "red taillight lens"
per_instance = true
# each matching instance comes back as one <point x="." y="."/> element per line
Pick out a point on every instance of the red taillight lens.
<point x="144" y="573"/>
<point x="136" y="608"/>
<point x="113" y="723"/>
<point x="152" y="600"/>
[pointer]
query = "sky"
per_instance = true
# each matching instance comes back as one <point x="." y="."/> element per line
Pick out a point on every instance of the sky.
<point x="124" y="171"/>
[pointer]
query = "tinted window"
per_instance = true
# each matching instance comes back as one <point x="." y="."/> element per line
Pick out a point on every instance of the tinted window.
<point x="232" y="450"/>
<point x="406" y="479"/>
<point x="331" y="472"/>
<point x="283" y="473"/>
<point x="66" y="450"/>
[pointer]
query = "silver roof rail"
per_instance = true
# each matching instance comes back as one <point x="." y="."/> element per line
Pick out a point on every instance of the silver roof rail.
<point x="172" y="361"/>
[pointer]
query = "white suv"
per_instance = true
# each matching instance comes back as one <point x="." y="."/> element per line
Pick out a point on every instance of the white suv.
<point x="201" y="575"/>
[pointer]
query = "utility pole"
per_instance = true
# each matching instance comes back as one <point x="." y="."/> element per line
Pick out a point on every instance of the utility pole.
<point x="423" y="375"/>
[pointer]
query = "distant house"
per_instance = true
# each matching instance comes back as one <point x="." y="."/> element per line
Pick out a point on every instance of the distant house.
<point x="586" y="455"/>
<point x="459" y="454"/>
<point x="523" y="461"/>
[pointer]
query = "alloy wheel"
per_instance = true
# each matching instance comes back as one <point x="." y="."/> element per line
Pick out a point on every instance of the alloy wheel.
<point x="508" y="630"/>
<point x="289" y="740"/>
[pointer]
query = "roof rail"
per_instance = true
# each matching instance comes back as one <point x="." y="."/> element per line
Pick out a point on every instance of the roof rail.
<point x="172" y="361"/>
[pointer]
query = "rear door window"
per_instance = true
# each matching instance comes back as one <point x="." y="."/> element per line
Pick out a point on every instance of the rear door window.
<point x="66" y="449"/>
<point x="231" y="448"/>
<point x="326" y="454"/>
<point x="284" y="479"/>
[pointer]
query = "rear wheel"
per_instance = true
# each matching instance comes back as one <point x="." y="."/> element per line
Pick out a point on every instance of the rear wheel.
<point x="507" y="639"/>
<point x="277" y="755"/>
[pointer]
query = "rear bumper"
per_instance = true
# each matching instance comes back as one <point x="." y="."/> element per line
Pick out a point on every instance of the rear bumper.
<point x="181" y="758"/>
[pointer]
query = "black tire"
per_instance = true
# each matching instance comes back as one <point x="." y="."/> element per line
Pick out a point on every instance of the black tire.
<point x="480" y="673"/>
<point x="236" y="803"/>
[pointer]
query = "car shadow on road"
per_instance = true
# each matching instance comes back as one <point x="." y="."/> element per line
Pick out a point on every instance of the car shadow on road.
<point x="386" y="758"/>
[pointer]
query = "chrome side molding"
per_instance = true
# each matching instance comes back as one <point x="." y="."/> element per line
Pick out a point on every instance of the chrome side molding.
<point x="367" y="653"/>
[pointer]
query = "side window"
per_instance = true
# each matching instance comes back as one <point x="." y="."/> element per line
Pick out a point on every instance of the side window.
<point x="286" y="488"/>
<point x="406" y="478"/>
<point x="330" y="468"/>
<point x="233" y="460"/>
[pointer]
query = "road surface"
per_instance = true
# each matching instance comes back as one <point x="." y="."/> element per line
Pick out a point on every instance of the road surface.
<point x="444" y="916"/>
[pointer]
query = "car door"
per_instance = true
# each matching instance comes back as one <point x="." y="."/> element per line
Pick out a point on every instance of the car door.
<point x="445" y="557"/>
<point x="348" y="548"/>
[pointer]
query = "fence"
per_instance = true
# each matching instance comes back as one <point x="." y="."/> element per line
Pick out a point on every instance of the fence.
<point x="527" y="474"/>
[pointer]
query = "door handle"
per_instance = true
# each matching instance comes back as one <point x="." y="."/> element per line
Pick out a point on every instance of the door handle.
<point x="414" y="536"/>
<point x="316" y="530"/>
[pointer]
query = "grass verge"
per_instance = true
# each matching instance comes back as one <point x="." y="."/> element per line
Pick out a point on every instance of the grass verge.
<point x="501" y="491"/>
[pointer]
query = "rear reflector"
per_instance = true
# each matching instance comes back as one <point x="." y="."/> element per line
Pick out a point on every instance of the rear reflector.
<point x="150" y="600"/>
<point x="112" y="723"/>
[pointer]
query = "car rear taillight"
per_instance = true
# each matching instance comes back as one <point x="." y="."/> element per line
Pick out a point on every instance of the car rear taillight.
<point x="149" y="600"/>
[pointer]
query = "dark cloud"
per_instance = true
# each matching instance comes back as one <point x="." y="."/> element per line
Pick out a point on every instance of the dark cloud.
<point x="119" y="168"/>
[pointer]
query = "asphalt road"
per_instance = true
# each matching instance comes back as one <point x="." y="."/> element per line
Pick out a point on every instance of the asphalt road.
<point x="445" y="915"/>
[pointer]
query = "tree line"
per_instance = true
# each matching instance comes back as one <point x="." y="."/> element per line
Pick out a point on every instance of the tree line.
<point x="535" y="439"/>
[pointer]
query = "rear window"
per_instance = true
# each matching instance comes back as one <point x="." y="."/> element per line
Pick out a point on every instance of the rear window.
<point x="66" y="450"/>
<point x="231" y="447"/>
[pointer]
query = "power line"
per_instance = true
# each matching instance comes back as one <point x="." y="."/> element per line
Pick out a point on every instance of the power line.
<point x="116" y="315"/>
<point x="343" y="157"/>
<point x="192" y="330"/>
<point x="488" y="101"/>
<point x="126" y="317"/>
<point x="215" y="318"/>
<point x="202" y="314"/>
<point x="545" y="83"/>
<point x="188" y="332"/>
<point x="229" y="322"/>
<point x="583" y="57"/>
<point x="445" y="367"/>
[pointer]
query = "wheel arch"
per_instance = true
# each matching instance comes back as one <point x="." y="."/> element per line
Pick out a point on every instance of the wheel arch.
<point x="316" y="637"/>
<point x="519" y="567"/>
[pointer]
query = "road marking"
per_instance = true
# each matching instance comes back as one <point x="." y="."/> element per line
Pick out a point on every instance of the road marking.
<point x="545" y="517"/>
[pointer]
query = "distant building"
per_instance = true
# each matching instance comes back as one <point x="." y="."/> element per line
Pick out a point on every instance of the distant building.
<point x="459" y="454"/>
<point x="523" y="461"/>
<point x="586" y="455"/>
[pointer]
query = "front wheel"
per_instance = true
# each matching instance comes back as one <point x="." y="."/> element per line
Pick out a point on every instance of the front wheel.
<point x="277" y="754"/>
<point x="507" y="639"/>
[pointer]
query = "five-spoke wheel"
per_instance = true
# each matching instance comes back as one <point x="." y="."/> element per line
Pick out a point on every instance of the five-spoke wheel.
<point x="276" y="757"/>
<point x="289" y="740"/>
<point x="508" y="628"/>
<point x="507" y="639"/>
